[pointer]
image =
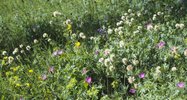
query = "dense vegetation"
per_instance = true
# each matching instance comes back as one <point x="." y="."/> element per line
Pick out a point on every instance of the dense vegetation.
<point x="93" y="49"/>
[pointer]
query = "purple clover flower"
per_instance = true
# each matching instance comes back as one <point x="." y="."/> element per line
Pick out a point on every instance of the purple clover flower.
<point x="44" y="77"/>
<point x="51" y="69"/>
<point x="132" y="91"/>
<point x="88" y="80"/>
<point x="161" y="44"/>
<point x="181" y="84"/>
<point x="97" y="52"/>
<point x="142" y="75"/>
<point x="57" y="53"/>
<point x="100" y="30"/>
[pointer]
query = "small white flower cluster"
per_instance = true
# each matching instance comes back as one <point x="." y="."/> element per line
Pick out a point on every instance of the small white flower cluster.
<point x="158" y="14"/>
<point x="109" y="31"/>
<point x="4" y="53"/>
<point x="121" y="44"/>
<point x="119" y="30"/>
<point x="81" y="35"/>
<point x="35" y="41"/>
<point x="15" y="51"/>
<point x="68" y="21"/>
<point x="28" y="47"/>
<point x="185" y="52"/>
<point x="56" y="13"/>
<point x="45" y="35"/>
<point x="179" y="26"/>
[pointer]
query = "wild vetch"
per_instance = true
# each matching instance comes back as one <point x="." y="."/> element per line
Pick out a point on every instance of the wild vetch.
<point x="181" y="84"/>
<point x="89" y="80"/>
<point x="142" y="75"/>
<point x="161" y="44"/>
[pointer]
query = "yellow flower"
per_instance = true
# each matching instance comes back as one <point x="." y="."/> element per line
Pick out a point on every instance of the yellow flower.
<point x="18" y="85"/>
<point x="8" y="73"/>
<point x="16" y="78"/>
<point x="77" y="44"/>
<point x="69" y="26"/>
<point x="5" y="58"/>
<point x="30" y="71"/>
<point x="27" y="84"/>
<point x="15" y="68"/>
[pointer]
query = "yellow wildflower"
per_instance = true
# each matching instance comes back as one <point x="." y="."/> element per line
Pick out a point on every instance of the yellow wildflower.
<point x="16" y="78"/>
<point x="15" y="68"/>
<point x="77" y="44"/>
<point x="18" y="85"/>
<point x="5" y="58"/>
<point x="69" y="26"/>
<point x="30" y="71"/>
<point x="27" y="84"/>
<point x="8" y="73"/>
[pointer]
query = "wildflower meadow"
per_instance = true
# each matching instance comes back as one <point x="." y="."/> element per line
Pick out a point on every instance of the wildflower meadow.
<point x="93" y="50"/>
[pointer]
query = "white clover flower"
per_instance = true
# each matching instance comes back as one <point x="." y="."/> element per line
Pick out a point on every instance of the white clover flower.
<point x="4" y="53"/>
<point x="154" y="18"/>
<point x="181" y="26"/>
<point x="125" y="14"/>
<point x="45" y="35"/>
<point x="138" y="14"/>
<point x="124" y="60"/>
<point x="82" y="35"/>
<point x="122" y="17"/>
<point x="116" y="30"/>
<point x="22" y="51"/>
<point x="111" y="68"/>
<point x="35" y="41"/>
<point x="119" y="23"/>
<point x="68" y="21"/>
<point x="130" y="24"/>
<point x="185" y="52"/>
<point x="21" y="46"/>
<point x="107" y="62"/>
<point x="107" y="52"/>
<point x="140" y="27"/>
<point x="110" y="31"/>
<point x="15" y="51"/>
<point x="149" y="26"/>
<point x="10" y="59"/>
<point x="28" y="48"/>
<point x="101" y="60"/>
<point x="56" y="13"/>
<point x="18" y="57"/>
<point x="135" y="62"/>
<point x="50" y="22"/>
<point x="137" y="31"/>
<point x="173" y="69"/>
<point x="120" y="28"/>
<point x="49" y="39"/>
<point x="158" y="70"/>
<point x="159" y="13"/>
<point x="120" y="32"/>
<point x="129" y="10"/>
<point x="131" y="79"/>
<point x="121" y="44"/>
<point x="156" y="27"/>
<point x="132" y="19"/>
<point x="91" y="38"/>
<point x="129" y="68"/>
